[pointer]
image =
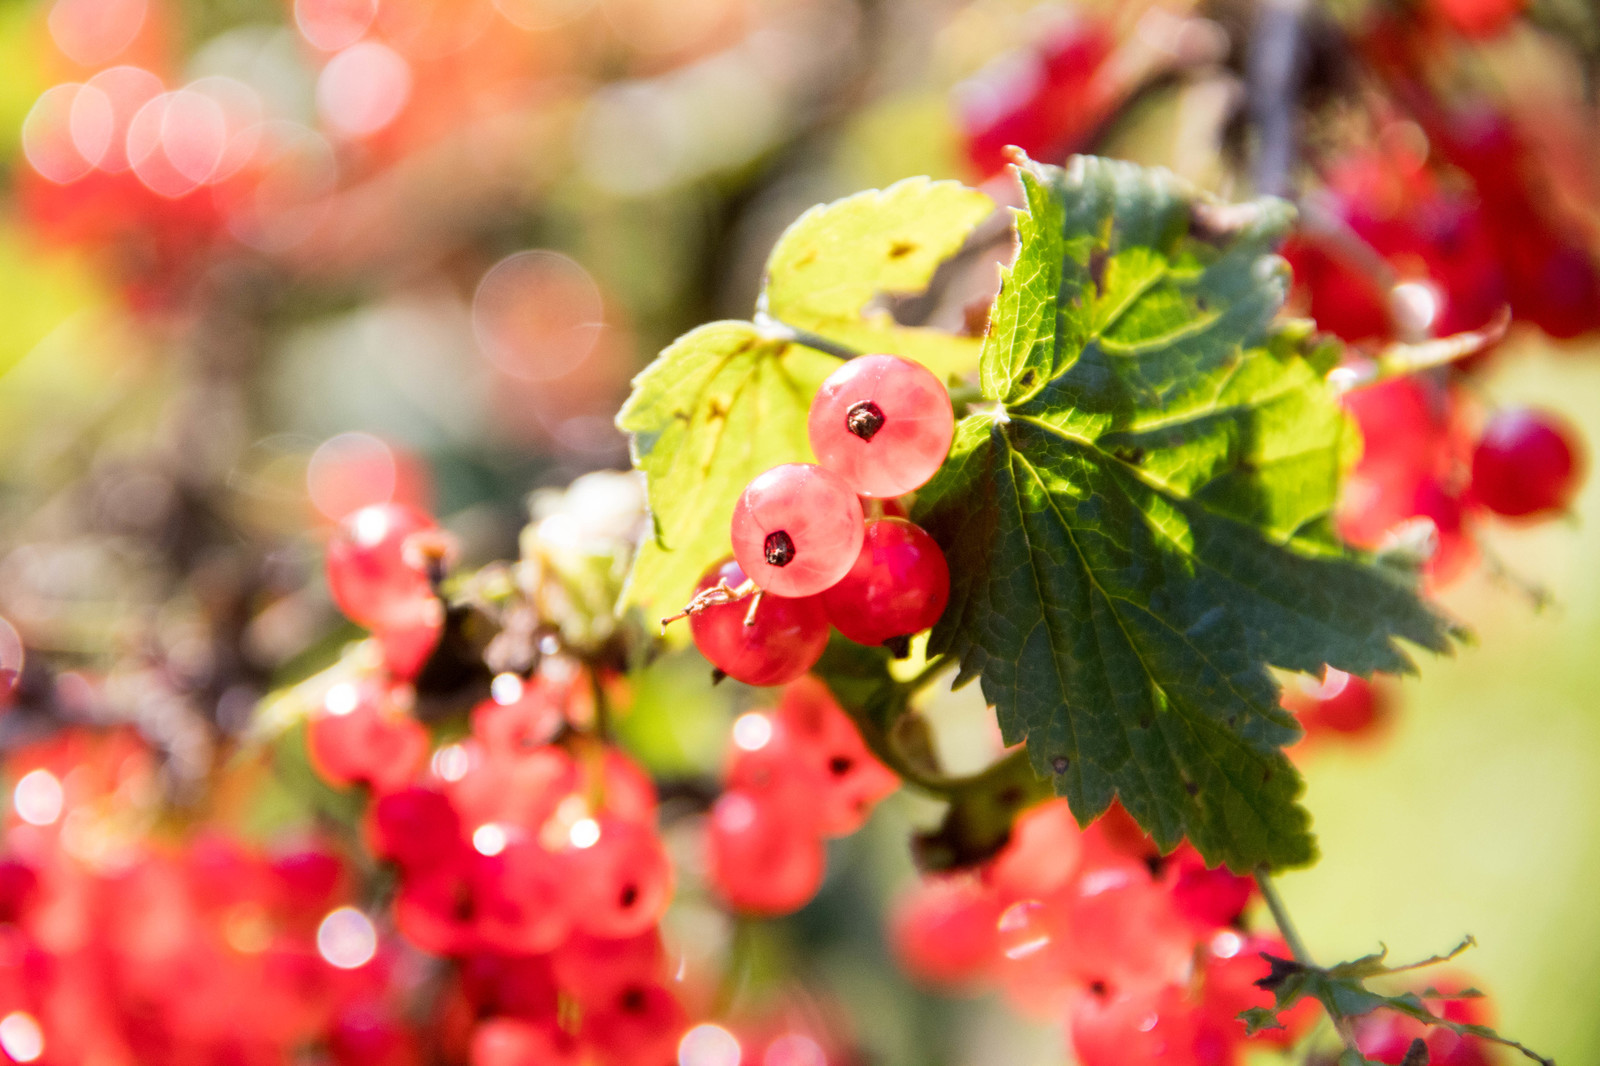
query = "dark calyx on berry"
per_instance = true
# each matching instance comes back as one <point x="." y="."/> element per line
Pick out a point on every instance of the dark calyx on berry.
<point x="864" y="419"/>
<point x="779" y="549"/>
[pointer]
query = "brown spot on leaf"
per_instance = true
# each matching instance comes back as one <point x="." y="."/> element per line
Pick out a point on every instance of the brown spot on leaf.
<point x="901" y="249"/>
<point x="1097" y="267"/>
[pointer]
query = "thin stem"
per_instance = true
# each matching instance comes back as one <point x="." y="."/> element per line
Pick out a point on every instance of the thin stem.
<point x="602" y="705"/>
<point x="1297" y="948"/>
<point x="1280" y="917"/>
<point x="775" y="329"/>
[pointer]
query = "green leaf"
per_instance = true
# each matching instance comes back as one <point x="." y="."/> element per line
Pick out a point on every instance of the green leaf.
<point x="1258" y="1018"/>
<point x="1366" y="966"/>
<point x="1140" y="527"/>
<point x="722" y="404"/>
<point x="837" y="259"/>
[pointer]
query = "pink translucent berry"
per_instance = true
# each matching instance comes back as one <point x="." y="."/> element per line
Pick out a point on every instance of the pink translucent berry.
<point x="882" y="423"/>
<point x="797" y="529"/>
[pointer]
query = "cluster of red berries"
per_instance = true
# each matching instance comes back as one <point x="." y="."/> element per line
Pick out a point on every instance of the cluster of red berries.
<point x="120" y="946"/>
<point x="795" y="776"/>
<point x="880" y="427"/>
<point x="1146" y="957"/>
<point x="1423" y="459"/>
<point x="536" y="865"/>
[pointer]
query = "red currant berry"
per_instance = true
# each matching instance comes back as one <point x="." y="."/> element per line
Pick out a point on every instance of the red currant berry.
<point x="436" y="908"/>
<point x="946" y="933"/>
<point x="307" y="881"/>
<point x="1339" y="703"/>
<point x="1042" y="856"/>
<point x="817" y="732"/>
<point x="517" y="728"/>
<point x="513" y="1042"/>
<point x="368" y="574"/>
<point x="415" y="827"/>
<point x="797" y="529"/>
<point x="1233" y="964"/>
<point x="620" y="875"/>
<point x="765" y="859"/>
<point x="408" y="638"/>
<point x="520" y="986"/>
<point x="358" y="738"/>
<point x="366" y="1034"/>
<point x="882" y="423"/>
<point x="898" y="586"/>
<point x="1135" y="1028"/>
<point x="521" y="897"/>
<point x="784" y="640"/>
<point x="639" y="1025"/>
<point x="592" y="968"/>
<point x="1209" y="898"/>
<point x="1527" y="463"/>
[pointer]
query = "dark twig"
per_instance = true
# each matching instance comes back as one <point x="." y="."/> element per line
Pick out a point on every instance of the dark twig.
<point x="1275" y="66"/>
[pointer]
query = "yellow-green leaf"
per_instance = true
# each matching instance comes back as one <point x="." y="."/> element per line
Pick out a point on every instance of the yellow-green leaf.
<point x="720" y="405"/>
<point x="837" y="259"/>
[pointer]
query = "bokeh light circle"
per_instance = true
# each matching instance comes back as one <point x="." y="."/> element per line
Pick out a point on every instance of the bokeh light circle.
<point x="20" y="1037"/>
<point x="334" y="24"/>
<point x="350" y="471"/>
<point x="176" y="142"/>
<point x="47" y="133"/>
<point x="537" y="315"/>
<point x="242" y="112"/>
<point x="709" y="1045"/>
<point x="93" y="32"/>
<point x="38" y="797"/>
<point x="347" y="938"/>
<point x="363" y="89"/>
<point x="127" y="90"/>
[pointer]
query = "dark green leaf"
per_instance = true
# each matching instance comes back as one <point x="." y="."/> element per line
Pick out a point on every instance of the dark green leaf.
<point x="1258" y="1018"/>
<point x="1141" y="525"/>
